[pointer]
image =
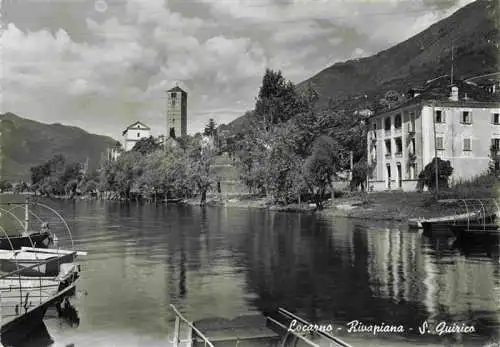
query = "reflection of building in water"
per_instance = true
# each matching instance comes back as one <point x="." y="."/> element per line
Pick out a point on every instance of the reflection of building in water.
<point x="392" y="264"/>
<point x="444" y="282"/>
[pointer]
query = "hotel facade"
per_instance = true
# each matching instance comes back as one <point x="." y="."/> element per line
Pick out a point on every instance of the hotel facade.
<point x="402" y="141"/>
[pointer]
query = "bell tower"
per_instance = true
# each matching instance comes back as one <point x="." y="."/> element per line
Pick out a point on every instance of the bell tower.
<point x="176" y="112"/>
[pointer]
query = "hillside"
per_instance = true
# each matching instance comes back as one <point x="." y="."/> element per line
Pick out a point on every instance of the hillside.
<point x="25" y="143"/>
<point x="474" y="31"/>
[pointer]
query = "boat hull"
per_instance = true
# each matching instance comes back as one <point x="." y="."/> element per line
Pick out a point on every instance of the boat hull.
<point x="478" y="234"/>
<point x="445" y="228"/>
<point x="17" y="328"/>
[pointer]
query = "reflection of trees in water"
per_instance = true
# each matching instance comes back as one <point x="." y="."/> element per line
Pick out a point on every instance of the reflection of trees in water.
<point x="301" y="264"/>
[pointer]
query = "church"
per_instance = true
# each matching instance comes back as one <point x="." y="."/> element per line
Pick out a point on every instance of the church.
<point x="176" y="120"/>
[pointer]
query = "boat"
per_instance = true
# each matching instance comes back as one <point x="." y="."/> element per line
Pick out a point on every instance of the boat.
<point x="27" y="256"/>
<point x="489" y="233"/>
<point x="250" y="330"/>
<point x="24" y="300"/>
<point x="35" y="279"/>
<point x="35" y="239"/>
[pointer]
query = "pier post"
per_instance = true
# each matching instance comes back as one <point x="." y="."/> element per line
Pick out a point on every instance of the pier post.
<point x="176" y="332"/>
<point x="26" y="217"/>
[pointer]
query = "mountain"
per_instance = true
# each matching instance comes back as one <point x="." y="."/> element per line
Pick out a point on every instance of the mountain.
<point x="26" y="143"/>
<point x="473" y="31"/>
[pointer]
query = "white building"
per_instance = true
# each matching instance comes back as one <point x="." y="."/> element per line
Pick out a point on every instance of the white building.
<point x="134" y="133"/>
<point x="403" y="140"/>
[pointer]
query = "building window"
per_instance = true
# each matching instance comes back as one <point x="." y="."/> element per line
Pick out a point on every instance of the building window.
<point x="388" y="147"/>
<point x="399" y="145"/>
<point x="374" y="126"/>
<point x="466" y="117"/>
<point x="467" y="145"/>
<point x="138" y="134"/>
<point x="397" y="121"/>
<point x="411" y="124"/>
<point x="496" y="118"/>
<point x="439" y="143"/>
<point x="439" y="116"/>
<point x="387" y="124"/>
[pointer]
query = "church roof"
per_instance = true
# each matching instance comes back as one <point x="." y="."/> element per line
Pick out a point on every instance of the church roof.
<point x="176" y="89"/>
<point x="134" y="125"/>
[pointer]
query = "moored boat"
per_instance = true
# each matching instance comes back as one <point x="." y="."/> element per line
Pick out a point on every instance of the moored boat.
<point x="27" y="256"/>
<point x="477" y="233"/>
<point x="251" y="330"/>
<point x="24" y="300"/>
<point x="35" y="239"/>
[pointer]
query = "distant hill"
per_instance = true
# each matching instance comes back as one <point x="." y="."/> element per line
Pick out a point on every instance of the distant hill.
<point x="474" y="31"/>
<point x="26" y="143"/>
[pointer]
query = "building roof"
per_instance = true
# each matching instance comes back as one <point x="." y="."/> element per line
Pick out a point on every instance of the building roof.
<point x="441" y="103"/>
<point x="176" y="89"/>
<point x="436" y="92"/>
<point x="144" y="127"/>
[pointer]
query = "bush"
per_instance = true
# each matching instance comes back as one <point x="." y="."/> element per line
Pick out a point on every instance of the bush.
<point x="428" y="175"/>
<point x="480" y="187"/>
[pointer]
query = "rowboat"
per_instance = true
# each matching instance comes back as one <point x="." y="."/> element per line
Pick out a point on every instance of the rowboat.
<point x="251" y="330"/>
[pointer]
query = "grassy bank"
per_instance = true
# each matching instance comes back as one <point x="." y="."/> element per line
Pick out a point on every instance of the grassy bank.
<point x="395" y="205"/>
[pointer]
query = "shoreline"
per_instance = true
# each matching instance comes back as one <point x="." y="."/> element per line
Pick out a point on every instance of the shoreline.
<point x="394" y="206"/>
<point x="380" y="206"/>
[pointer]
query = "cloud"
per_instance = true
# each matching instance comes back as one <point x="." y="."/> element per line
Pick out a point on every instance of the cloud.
<point x="114" y="66"/>
<point x="123" y="73"/>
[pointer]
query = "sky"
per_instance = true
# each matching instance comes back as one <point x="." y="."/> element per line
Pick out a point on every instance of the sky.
<point x="104" y="64"/>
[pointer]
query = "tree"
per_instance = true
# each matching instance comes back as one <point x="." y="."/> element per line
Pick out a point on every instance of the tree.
<point x="199" y="170"/>
<point x="427" y="176"/>
<point x="5" y="185"/>
<point x="277" y="100"/>
<point x="320" y="167"/>
<point x="359" y="175"/>
<point x="146" y="145"/>
<point x="210" y="128"/>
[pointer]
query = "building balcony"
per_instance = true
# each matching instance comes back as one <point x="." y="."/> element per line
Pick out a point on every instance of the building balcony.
<point x="388" y="156"/>
<point x="398" y="154"/>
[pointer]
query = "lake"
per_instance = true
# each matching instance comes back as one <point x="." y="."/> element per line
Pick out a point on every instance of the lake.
<point x="228" y="261"/>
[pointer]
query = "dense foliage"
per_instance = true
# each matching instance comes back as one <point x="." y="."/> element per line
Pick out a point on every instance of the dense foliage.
<point x="293" y="151"/>
<point x="294" y="148"/>
<point x="427" y="178"/>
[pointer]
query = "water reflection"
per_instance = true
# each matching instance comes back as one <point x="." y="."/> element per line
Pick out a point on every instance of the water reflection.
<point x="224" y="262"/>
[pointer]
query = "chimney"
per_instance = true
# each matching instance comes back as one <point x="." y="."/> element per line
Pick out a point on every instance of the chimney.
<point x="454" y="93"/>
